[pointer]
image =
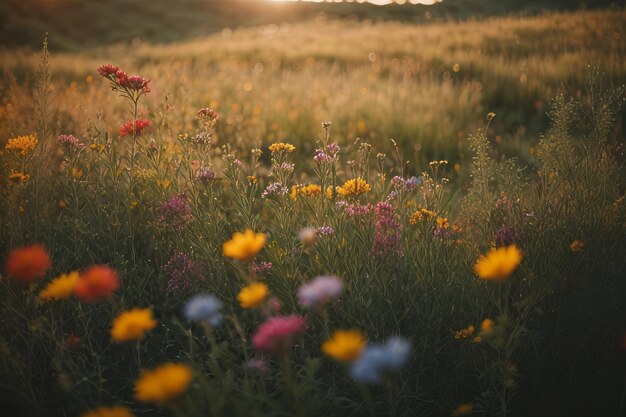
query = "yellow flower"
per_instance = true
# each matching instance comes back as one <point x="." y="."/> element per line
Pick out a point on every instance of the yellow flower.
<point x="22" y="145"/>
<point x="163" y="183"/>
<point x="498" y="263"/>
<point x="132" y="325"/>
<point x="462" y="334"/>
<point x="463" y="409"/>
<point x="420" y="215"/>
<point x="577" y="246"/>
<point x="306" y="190"/>
<point x="486" y="327"/>
<point x="355" y="186"/>
<point x="244" y="246"/>
<point x="442" y="222"/>
<point x="98" y="147"/>
<point x="253" y="295"/>
<point x="345" y="345"/>
<point x="163" y="384"/>
<point x="252" y="179"/>
<point x="281" y="147"/>
<point x="77" y="172"/>
<point x="60" y="288"/>
<point x="117" y="411"/>
<point x="18" y="177"/>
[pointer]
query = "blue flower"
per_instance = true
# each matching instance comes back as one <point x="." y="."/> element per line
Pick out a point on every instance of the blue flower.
<point x="204" y="308"/>
<point x="377" y="360"/>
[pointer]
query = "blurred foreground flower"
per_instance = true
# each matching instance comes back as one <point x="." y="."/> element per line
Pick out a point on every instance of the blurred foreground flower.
<point x="204" y="309"/>
<point x="319" y="292"/>
<point x="60" y="288"/>
<point x="378" y="360"/>
<point x="345" y="345"/>
<point x="96" y="283"/>
<point x="115" y="411"/>
<point x="164" y="384"/>
<point x="27" y="263"/>
<point x="277" y="335"/>
<point x="463" y="409"/>
<point x="498" y="263"/>
<point x="244" y="246"/>
<point x="132" y="325"/>
<point x="253" y="295"/>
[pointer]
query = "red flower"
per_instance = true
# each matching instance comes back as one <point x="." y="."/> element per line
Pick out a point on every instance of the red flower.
<point x="107" y="70"/>
<point x="277" y="335"/>
<point x="127" y="128"/>
<point x="206" y="113"/>
<point x="27" y="263"/>
<point x="121" y="76"/>
<point x="96" y="283"/>
<point x="137" y="83"/>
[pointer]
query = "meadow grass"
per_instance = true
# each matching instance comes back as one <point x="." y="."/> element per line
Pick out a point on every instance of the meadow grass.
<point x="533" y="328"/>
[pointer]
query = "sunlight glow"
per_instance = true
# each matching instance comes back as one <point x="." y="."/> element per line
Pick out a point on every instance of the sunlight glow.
<point x="378" y="2"/>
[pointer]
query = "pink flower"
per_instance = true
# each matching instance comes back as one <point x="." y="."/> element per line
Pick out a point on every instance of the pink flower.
<point x="107" y="70"/>
<point x="278" y="334"/>
<point x="320" y="291"/>
<point x="127" y="128"/>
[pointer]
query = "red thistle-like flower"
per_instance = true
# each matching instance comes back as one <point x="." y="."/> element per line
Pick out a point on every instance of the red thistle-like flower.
<point x="108" y="70"/>
<point x="206" y="113"/>
<point x="121" y="77"/>
<point x="140" y="126"/>
<point x="137" y="83"/>
<point x="96" y="283"/>
<point x="27" y="263"/>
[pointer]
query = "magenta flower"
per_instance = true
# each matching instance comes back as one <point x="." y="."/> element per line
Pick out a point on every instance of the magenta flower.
<point x="320" y="291"/>
<point x="175" y="212"/>
<point x="277" y="335"/>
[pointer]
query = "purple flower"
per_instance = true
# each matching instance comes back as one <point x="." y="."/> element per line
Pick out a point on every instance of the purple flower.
<point x="319" y="292"/>
<point x="326" y="231"/>
<point x="275" y="189"/>
<point x="175" y="212"/>
<point x="205" y="174"/>
<point x="258" y="365"/>
<point x="387" y="238"/>
<point x="183" y="272"/>
<point x="260" y="268"/>
<point x="69" y="141"/>
<point x="505" y="236"/>
<point x="412" y="182"/>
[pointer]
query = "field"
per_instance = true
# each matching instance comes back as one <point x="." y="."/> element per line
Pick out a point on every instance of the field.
<point x="457" y="184"/>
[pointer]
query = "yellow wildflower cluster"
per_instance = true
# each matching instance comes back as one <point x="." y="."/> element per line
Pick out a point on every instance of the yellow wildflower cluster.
<point x="60" y="288"/>
<point x="420" y="215"/>
<point x="442" y="222"/>
<point x="498" y="263"/>
<point x="22" y="145"/>
<point x="355" y="187"/>
<point x="253" y="295"/>
<point x="281" y="147"/>
<point x="244" y="246"/>
<point x="345" y="345"/>
<point x="117" y="411"/>
<point x="465" y="333"/>
<point x="18" y="177"/>
<point x="305" y="190"/>
<point x="163" y="384"/>
<point x="132" y="325"/>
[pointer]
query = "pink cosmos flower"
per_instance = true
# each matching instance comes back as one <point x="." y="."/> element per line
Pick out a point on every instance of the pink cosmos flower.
<point x="278" y="334"/>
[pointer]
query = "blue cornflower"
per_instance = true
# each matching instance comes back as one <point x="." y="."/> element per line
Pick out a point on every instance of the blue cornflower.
<point x="377" y="360"/>
<point x="205" y="309"/>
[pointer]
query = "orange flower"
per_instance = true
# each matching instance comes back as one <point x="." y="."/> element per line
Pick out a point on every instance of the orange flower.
<point x="244" y="246"/>
<point x="96" y="283"/>
<point x="27" y="263"/>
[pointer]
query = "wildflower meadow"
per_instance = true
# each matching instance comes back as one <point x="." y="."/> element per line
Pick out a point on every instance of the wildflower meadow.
<point x="170" y="250"/>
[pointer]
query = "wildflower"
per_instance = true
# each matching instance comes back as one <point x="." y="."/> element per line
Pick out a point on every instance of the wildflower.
<point x="498" y="263"/>
<point x="27" y="263"/>
<point x="345" y="345"/>
<point x="258" y="365"/>
<point x="175" y="212"/>
<point x="357" y="211"/>
<point x="69" y="142"/>
<point x="96" y="283"/>
<point x="22" y="145"/>
<point x="18" y="177"/>
<point x="275" y="189"/>
<point x="205" y="174"/>
<point x="260" y="268"/>
<point x="253" y="295"/>
<point x="465" y="333"/>
<point x="277" y="335"/>
<point x="319" y="292"/>
<point x="377" y="360"/>
<point x="183" y="272"/>
<point x="420" y="215"/>
<point x="130" y="127"/>
<point x="281" y="147"/>
<point x="107" y="70"/>
<point x="325" y="231"/>
<point x="115" y="411"/>
<point x="207" y="116"/>
<point x="204" y="309"/>
<point x="577" y="246"/>
<point x="442" y="223"/>
<point x="387" y="238"/>
<point x="506" y="236"/>
<point x="164" y="384"/>
<point x="486" y="327"/>
<point x="251" y="178"/>
<point x="307" y="235"/>
<point x="136" y="83"/>
<point x="132" y="325"/>
<point x="60" y="288"/>
<point x="462" y="410"/>
<point x="244" y="246"/>
<point x="355" y="187"/>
